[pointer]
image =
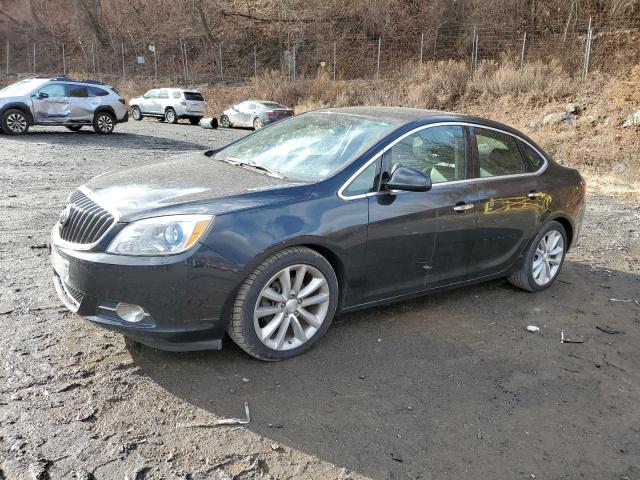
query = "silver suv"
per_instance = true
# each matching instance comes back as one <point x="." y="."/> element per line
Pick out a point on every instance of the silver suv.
<point x="60" y="101"/>
<point x="169" y="104"/>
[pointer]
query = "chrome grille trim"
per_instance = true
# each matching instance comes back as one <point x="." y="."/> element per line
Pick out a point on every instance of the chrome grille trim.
<point x="87" y="224"/>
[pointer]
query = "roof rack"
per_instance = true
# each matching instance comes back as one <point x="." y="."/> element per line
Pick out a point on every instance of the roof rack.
<point x="74" y="80"/>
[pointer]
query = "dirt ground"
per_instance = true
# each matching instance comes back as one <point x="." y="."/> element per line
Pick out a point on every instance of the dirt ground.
<point x="447" y="386"/>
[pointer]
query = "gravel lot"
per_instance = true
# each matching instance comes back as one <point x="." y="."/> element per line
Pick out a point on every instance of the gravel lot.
<point x="448" y="386"/>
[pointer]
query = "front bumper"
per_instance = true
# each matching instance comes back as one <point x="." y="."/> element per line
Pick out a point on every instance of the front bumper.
<point x="125" y="118"/>
<point x="185" y="296"/>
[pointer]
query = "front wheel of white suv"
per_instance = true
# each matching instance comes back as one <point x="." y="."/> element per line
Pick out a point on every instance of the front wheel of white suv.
<point x="136" y="114"/>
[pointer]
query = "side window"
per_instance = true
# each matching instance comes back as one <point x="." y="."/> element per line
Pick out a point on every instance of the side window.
<point x="177" y="94"/>
<point x="77" y="91"/>
<point x="366" y="182"/>
<point x="437" y="151"/>
<point x="97" y="92"/>
<point x="498" y="154"/>
<point x="54" y="90"/>
<point x="535" y="161"/>
<point x="163" y="94"/>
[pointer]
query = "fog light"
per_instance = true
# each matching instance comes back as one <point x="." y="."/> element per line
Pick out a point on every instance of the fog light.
<point x="130" y="313"/>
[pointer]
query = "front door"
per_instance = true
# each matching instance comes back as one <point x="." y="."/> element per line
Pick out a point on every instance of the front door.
<point x="51" y="104"/>
<point x="419" y="240"/>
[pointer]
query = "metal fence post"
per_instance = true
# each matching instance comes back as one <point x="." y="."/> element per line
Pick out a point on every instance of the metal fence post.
<point x="64" y="62"/>
<point x="421" y="46"/>
<point x="155" y="61"/>
<point x="34" y="59"/>
<point x="255" y="62"/>
<point x="334" y="61"/>
<point x="7" y="58"/>
<point x="220" y="55"/>
<point x="93" y="58"/>
<point x="473" y="49"/>
<point x="587" y="52"/>
<point x="378" y="65"/>
<point x="186" y="61"/>
<point x="122" y="50"/>
<point x="524" y="43"/>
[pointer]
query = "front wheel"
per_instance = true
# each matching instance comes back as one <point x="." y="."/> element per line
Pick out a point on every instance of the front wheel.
<point x="195" y="120"/>
<point x="285" y="305"/>
<point x="136" y="113"/>
<point x="225" y="122"/>
<point x="543" y="261"/>
<point x="15" y="122"/>
<point x="170" y="116"/>
<point x="103" y="123"/>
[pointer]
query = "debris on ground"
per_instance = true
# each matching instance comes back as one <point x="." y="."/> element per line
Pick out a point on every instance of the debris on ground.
<point x="221" y="422"/>
<point x="609" y="330"/>
<point x="533" y="328"/>
<point x="565" y="339"/>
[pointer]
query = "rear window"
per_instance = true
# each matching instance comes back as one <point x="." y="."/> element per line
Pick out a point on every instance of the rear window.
<point x="193" y="96"/>
<point x="273" y="105"/>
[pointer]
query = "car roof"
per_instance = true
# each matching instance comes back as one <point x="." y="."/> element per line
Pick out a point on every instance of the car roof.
<point x="404" y="115"/>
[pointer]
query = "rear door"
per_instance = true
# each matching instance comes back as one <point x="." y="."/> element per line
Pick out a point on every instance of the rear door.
<point x="511" y="201"/>
<point x="51" y="103"/>
<point x="82" y="106"/>
<point x="419" y="240"/>
<point x="248" y="113"/>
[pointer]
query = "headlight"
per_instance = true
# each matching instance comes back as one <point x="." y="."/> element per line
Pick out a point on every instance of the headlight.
<point x="160" y="235"/>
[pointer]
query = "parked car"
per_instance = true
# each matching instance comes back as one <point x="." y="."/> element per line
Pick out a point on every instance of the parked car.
<point x="60" y="101"/>
<point x="330" y="211"/>
<point x="170" y="104"/>
<point x="254" y="113"/>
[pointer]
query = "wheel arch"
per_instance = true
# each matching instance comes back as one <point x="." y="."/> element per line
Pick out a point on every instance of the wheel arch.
<point x="23" y="107"/>
<point x="105" y="108"/>
<point x="567" y="223"/>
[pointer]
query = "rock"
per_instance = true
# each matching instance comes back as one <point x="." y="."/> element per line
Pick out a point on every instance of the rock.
<point x="632" y="120"/>
<point x="38" y="470"/>
<point x="573" y="108"/>
<point x="555" y="118"/>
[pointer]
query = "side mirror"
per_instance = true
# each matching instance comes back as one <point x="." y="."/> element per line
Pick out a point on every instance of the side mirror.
<point x="145" y="96"/>
<point x="42" y="95"/>
<point x="409" y="180"/>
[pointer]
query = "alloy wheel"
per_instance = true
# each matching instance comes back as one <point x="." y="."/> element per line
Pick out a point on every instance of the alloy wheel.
<point x="17" y="123"/>
<point x="135" y="113"/>
<point x="170" y="116"/>
<point x="548" y="257"/>
<point x="105" y="123"/>
<point x="291" y="307"/>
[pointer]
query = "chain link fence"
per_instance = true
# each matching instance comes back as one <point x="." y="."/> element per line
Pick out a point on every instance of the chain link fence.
<point x="342" y="57"/>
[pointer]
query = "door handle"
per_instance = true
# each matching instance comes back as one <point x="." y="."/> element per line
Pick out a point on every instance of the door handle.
<point x="533" y="195"/>
<point x="463" y="207"/>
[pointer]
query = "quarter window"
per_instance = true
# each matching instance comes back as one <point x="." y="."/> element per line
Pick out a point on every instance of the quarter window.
<point x="498" y="154"/>
<point x="366" y="182"/>
<point x="97" y="92"/>
<point x="535" y="160"/>
<point x="176" y="94"/>
<point x="437" y="151"/>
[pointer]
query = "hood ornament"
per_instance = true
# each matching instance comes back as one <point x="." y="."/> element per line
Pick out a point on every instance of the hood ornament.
<point x="63" y="218"/>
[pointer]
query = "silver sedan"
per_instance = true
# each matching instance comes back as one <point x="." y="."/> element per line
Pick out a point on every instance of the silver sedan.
<point x="254" y="113"/>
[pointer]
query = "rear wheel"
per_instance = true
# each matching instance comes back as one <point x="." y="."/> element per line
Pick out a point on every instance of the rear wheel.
<point x="258" y="123"/>
<point x="224" y="121"/>
<point x="543" y="261"/>
<point x="15" y="122"/>
<point x="170" y="116"/>
<point x="136" y="113"/>
<point x="285" y="305"/>
<point x="195" y="120"/>
<point x="74" y="128"/>
<point x="103" y="123"/>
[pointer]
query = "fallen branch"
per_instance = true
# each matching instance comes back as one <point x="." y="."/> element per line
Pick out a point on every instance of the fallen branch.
<point x="222" y="422"/>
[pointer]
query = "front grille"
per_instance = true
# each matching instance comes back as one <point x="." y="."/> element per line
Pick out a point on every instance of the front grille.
<point x="86" y="221"/>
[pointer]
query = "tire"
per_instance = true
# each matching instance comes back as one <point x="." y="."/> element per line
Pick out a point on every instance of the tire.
<point x="257" y="123"/>
<point x="526" y="276"/>
<point x="245" y="321"/>
<point x="74" y="128"/>
<point x="170" y="116"/>
<point x="225" y="122"/>
<point x="195" y="120"/>
<point x="136" y="114"/>
<point x="103" y="123"/>
<point x="15" y="122"/>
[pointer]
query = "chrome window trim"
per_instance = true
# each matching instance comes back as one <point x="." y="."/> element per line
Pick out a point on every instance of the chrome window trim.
<point x="437" y="185"/>
<point x="55" y="234"/>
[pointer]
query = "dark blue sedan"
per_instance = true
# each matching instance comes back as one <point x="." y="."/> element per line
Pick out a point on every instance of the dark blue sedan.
<point x="268" y="238"/>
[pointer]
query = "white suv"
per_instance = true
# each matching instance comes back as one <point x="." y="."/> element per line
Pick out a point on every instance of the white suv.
<point x="170" y="104"/>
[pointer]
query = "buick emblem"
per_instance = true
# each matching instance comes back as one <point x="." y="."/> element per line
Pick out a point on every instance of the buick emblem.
<point x="64" y="215"/>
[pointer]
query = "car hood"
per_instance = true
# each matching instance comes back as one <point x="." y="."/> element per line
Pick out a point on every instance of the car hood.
<point x="193" y="183"/>
<point x="5" y="100"/>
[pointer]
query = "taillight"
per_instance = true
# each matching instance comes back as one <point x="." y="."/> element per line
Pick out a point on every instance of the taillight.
<point x="272" y="114"/>
<point x="122" y="101"/>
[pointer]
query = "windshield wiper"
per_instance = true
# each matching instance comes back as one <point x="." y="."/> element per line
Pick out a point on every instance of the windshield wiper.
<point x="255" y="166"/>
